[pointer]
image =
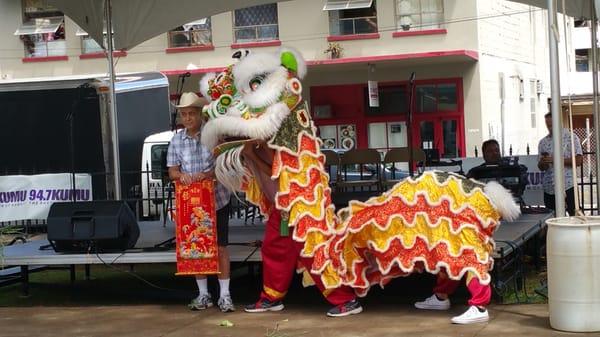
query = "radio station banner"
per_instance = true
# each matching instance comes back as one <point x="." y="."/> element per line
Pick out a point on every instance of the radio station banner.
<point x="196" y="229"/>
<point x="30" y="197"/>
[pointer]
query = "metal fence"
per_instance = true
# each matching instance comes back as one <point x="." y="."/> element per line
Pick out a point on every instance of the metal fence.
<point x="154" y="199"/>
<point x="586" y="173"/>
<point x="586" y="184"/>
<point x="153" y="202"/>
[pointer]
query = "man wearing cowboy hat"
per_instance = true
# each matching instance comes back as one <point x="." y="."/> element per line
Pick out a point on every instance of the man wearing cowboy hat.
<point x="189" y="161"/>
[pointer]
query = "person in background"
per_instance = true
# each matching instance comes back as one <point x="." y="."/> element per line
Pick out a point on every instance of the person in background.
<point x="546" y="160"/>
<point x="491" y="151"/>
<point x="480" y="298"/>
<point x="281" y="253"/>
<point x="491" y="155"/>
<point x="480" y="294"/>
<point x="189" y="161"/>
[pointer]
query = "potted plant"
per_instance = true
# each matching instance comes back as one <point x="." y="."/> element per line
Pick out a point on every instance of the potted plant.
<point x="334" y="50"/>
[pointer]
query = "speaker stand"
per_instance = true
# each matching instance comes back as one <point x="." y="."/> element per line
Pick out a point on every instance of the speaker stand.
<point x="167" y="244"/>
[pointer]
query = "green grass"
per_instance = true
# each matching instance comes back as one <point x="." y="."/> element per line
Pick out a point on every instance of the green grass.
<point x="117" y="285"/>
<point x="110" y="286"/>
<point x="533" y="280"/>
<point x="107" y="286"/>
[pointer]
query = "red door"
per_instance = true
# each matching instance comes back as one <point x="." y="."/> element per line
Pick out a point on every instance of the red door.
<point x="438" y="117"/>
<point x="443" y="134"/>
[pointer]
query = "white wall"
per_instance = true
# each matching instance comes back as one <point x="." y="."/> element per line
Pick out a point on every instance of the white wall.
<point x="515" y="46"/>
<point x="302" y="24"/>
<point x="11" y="47"/>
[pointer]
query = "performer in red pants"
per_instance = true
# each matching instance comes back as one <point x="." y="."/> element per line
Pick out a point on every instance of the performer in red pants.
<point x="480" y="298"/>
<point x="281" y="254"/>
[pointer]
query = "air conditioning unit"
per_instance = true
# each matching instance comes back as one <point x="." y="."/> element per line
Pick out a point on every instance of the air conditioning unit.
<point x="539" y="87"/>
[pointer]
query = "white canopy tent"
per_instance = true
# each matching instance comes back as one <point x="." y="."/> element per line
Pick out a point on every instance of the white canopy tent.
<point x="133" y="22"/>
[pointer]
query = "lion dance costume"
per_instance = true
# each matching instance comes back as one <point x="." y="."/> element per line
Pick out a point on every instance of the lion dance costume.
<point x="436" y="222"/>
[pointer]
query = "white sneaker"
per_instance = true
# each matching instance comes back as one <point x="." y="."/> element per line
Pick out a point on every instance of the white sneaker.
<point x="226" y="304"/>
<point x="433" y="303"/>
<point x="472" y="315"/>
<point x="201" y="302"/>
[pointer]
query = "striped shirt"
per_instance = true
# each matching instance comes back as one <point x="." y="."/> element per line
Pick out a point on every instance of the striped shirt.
<point x="192" y="157"/>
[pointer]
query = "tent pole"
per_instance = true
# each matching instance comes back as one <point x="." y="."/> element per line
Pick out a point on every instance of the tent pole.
<point x="409" y="143"/>
<point x="112" y="100"/>
<point x="557" y="128"/>
<point x="595" y="101"/>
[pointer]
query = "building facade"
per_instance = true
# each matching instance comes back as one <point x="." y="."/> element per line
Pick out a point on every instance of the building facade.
<point x="480" y="66"/>
<point x="577" y="86"/>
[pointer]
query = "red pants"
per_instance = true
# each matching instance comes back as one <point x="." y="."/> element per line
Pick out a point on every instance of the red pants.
<point x="280" y="255"/>
<point x="480" y="294"/>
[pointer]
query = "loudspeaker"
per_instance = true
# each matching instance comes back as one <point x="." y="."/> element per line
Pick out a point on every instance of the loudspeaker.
<point x="92" y="226"/>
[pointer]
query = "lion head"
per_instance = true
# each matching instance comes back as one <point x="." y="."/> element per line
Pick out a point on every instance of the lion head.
<point x="250" y="99"/>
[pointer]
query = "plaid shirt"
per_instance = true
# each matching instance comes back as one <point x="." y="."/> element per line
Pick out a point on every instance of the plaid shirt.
<point x="192" y="157"/>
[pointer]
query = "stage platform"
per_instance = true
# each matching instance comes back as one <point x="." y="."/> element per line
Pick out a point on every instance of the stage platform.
<point x="510" y="237"/>
<point x="151" y="234"/>
<point x="29" y="257"/>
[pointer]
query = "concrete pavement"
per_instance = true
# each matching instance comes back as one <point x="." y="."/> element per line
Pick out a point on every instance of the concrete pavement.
<point x="295" y="320"/>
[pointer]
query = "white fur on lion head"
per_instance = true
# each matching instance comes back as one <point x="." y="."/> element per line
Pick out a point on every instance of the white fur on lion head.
<point x="204" y="85"/>
<point x="259" y="79"/>
<point x="270" y="70"/>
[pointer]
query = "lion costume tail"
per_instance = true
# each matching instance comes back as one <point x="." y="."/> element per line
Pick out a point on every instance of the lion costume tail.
<point x="502" y="200"/>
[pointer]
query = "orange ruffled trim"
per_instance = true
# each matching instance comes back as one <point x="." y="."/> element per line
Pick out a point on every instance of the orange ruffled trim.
<point x="418" y="224"/>
<point x="304" y="193"/>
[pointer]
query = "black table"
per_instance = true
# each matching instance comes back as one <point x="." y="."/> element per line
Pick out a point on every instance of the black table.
<point x="511" y="237"/>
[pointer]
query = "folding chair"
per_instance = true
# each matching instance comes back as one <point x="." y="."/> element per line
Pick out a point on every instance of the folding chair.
<point x="359" y="169"/>
<point x="392" y="174"/>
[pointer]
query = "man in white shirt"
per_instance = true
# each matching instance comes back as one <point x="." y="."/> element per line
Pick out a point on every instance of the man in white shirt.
<point x="546" y="150"/>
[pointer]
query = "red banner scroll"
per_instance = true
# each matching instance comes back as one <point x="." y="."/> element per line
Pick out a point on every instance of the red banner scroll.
<point x="196" y="231"/>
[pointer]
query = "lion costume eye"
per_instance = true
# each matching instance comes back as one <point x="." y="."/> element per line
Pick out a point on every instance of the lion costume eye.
<point x="256" y="82"/>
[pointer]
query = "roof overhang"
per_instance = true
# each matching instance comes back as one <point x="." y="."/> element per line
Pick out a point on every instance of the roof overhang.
<point x="579" y="9"/>
<point x="336" y="5"/>
<point x="351" y="63"/>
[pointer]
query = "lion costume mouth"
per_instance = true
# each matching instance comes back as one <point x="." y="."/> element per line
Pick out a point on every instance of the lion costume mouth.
<point x="252" y="98"/>
<point x="263" y="127"/>
<point x="228" y="144"/>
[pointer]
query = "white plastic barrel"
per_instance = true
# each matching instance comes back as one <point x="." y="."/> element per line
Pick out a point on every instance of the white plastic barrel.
<point x="573" y="250"/>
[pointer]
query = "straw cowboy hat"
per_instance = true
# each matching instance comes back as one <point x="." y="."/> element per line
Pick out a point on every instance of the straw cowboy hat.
<point x="189" y="99"/>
